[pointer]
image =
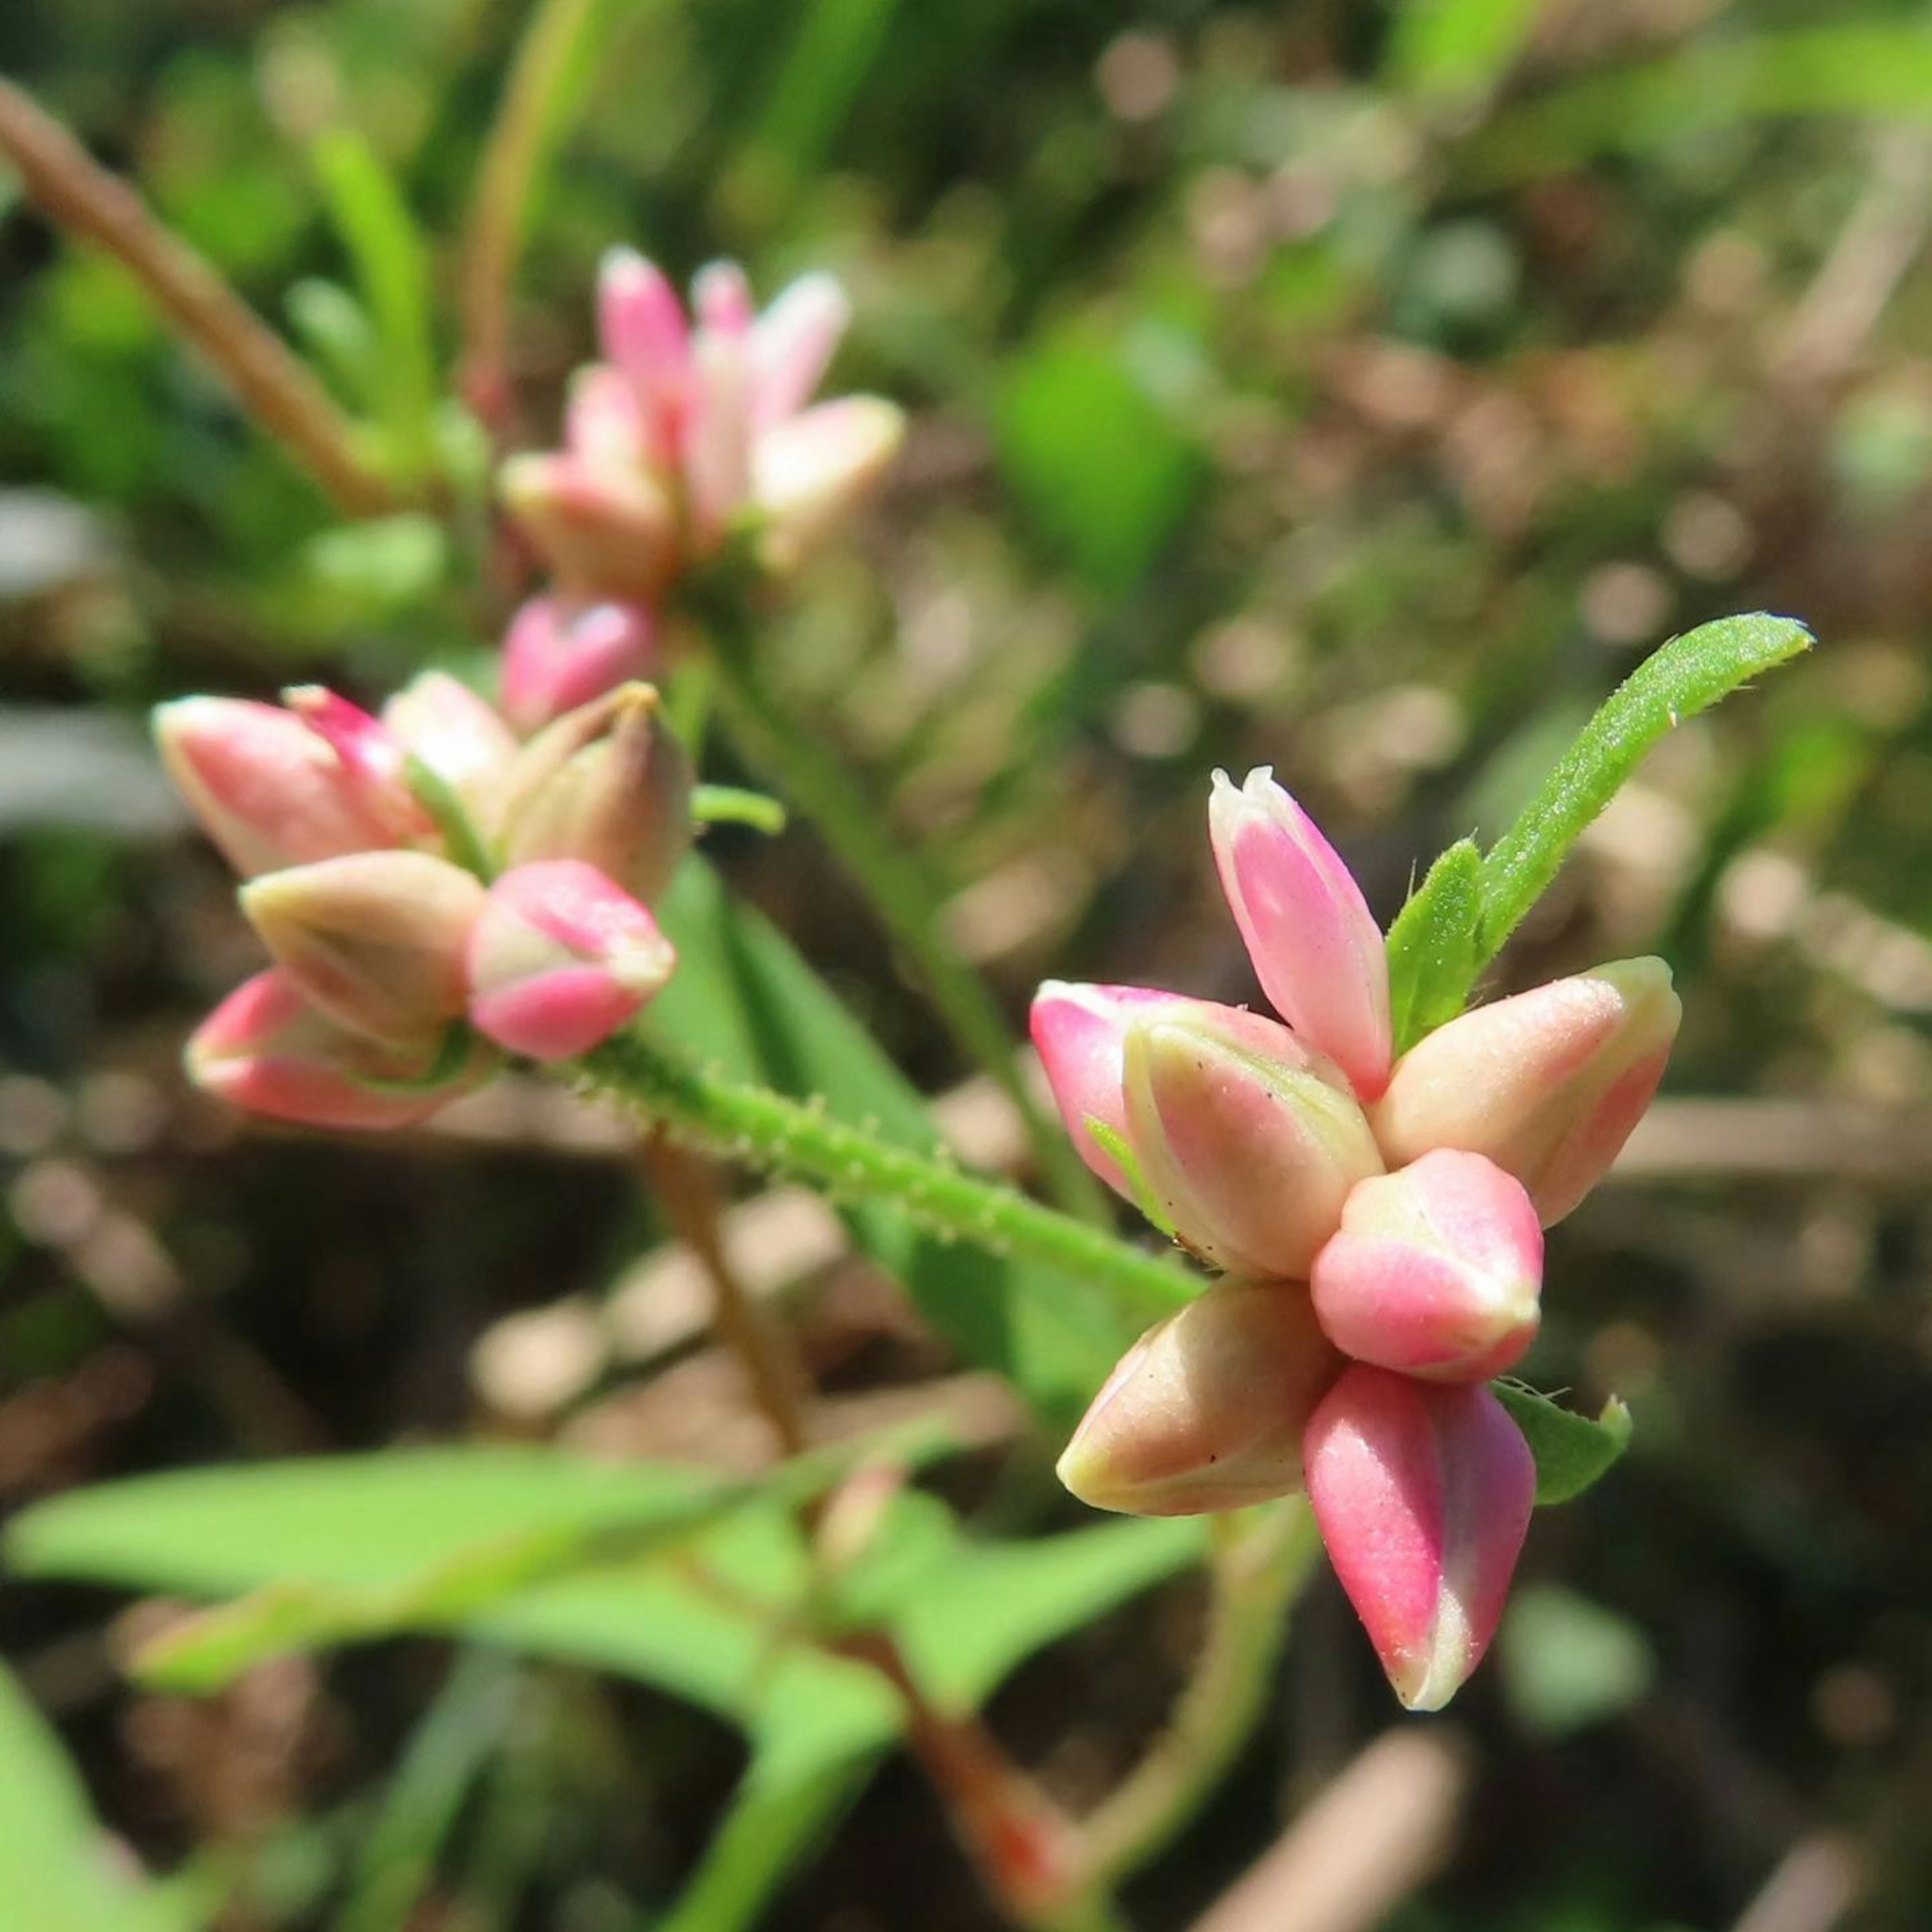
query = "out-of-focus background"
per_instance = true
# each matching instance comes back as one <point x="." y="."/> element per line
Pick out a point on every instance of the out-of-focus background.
<point x="1359" y="389"/>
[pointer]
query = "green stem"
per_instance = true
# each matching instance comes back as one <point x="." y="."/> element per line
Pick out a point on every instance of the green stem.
<point x="778" y="1135"/>
<point x="1262" y="1562"/>
<point x="805" y="767"/>
<point x="733" y="805"/>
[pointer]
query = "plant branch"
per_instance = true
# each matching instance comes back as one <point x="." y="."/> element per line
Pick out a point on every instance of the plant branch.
<point x="778" y="1135"/>
<point x="271" y="382"/>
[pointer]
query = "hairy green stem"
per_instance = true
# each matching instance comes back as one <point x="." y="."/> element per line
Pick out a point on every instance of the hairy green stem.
<point x="778" y="1135"/>
<point x="803" y="766"/>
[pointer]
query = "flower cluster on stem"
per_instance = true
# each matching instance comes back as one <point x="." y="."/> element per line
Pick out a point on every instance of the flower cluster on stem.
<point x="1377" y="1221"/>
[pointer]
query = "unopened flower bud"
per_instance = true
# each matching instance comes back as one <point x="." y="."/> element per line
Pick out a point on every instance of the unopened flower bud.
<point x="1315" y="947"/>
<point x="1078" y="1031"/>
<point x="265" y="1050"/>
<point x="440" y="720"/>
<point x="268" y="789"/>
<point x="560" y="958"/>
<point x="1250" y="1142"/>
<point x="608" y="784"/>
<point x="642" y="328"/>
<point x="372" y="758"/>
<point x="561" y="653"/>
<point x="376" y="939"/>
<point x="810" y="470"/>
<point x="607" y="532"/>
<point x="1207" y="1411"/>
<point x="792" y="343"/>
<point x="1436" y="1271"/>
<point x="1422" y="1492"/>
<point x="1548" y="1084"/>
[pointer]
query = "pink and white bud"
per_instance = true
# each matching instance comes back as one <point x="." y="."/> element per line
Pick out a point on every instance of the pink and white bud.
<point x="811" y="470"/>
<point x="792" y="343"/>
<point x="375" y="940"/>
<point x="718" y="433"/>
<point x="268" y="789"/>
<point x="1078" y="1031"/>
<point x="606" y="427"/>
<point x="1250" y="1141"/>
<point x="1424" y="1493"/>
<point x="1315" y="944"/>
<point x="372" y="756"/>
<point x="265" y="1050"/>
<point x="609" y="783"/>
<point x="641" y="327"/>
<point x="1207" y="1411"/>
<point x="463" y="740"/>
<point x="606" y="533"/>
<point x="560" y="652"/>
<point x="560" y="958"/>
<point x="1436" y="1271"/>
<point x="721" y="298"/>
<point x="1548" y="1084"/>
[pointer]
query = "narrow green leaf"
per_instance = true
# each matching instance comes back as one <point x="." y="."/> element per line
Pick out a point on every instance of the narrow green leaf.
<point x="392" y="259"/>
<point x="1452" y="47"/>
<point x="744" y="1002"/>
<point x="336" y="330"/>
<point x="1572" y="1452"/>
<point x="1683" y="677"/>
<point x="1432" y="946"/>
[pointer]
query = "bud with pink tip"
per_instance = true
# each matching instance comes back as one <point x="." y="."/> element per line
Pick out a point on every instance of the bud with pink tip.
<point x="606" y="530"/>
<point x="375" y="939"/>
<point x="811" y="471"/>
<point x="792" y="343"/>
<point x="1248" y="1141"/>
<point x="372" y="758"/>
<point x="1207" y="1411"/>
<point x="1078" y="1031"/>
<point x="561" y="653"/>
<point x="1548" y="1084"/>
<point x="560" y="958"/>
<point x="462" y="740"/>
<point x="1424" y="1493"/>
<point x="1315" y="946"/>
<point x="642" y="327"/>
<point x="267" y="1051"/>
<point x="1435" y="1270"/>
<point x="608" y="784"/>
<point x="268" y="789"/>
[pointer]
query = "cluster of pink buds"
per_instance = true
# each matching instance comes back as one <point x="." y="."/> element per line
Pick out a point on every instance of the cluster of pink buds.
<point x="431" y="891"/>
<point x="1379" y="1223"/>
<point x="689" y="431"/>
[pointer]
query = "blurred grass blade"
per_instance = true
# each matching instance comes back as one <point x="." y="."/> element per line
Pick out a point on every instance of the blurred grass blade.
<point x="1572" y="1452"/>
<point x="58" y="1871"/>
<point x="1457" y="46"/>
<point x="390" y="255"/>
<point x="1686" y="676"/>
<point x="336" y="330"/>
<point x="1877" y="69"/>
<point x="1432" y="946"/>
<point x="837" y="45"/>
<point x="450" y="1747"/>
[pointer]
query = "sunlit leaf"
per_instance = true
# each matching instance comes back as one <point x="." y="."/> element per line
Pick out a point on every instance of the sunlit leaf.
<point x="1572" y="1452"/>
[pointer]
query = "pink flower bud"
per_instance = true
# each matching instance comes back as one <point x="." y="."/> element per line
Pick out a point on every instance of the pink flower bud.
<point x="372" y="758"/>
<point x="1315" y="946"/>
<point x="265" y="1050"/>
<point x="1250" y="1142"/>
<point x="1206" y="1411"/>
<point x="375" y="939"/>
<point x="1078" y="1031"/>
<point x="1435" y="1270"/>
<point x="792" y="343"/>
<point x="607" y="532"/>
<point x="561" y="653"/>
<point x="561" y="958"/>
<point x="641" y="324"/>
<point x="268" y="789"/>
<point x="721" y="298"/>
<point x="810" y="470"/>
<point x="608" y="784"/>
<point x="606" y="427"/>
<point x="441" y="720"/>
<point x="1424" y="1493"/>
<point x="1547" y="1084"/>
<point x="718" y="433"/>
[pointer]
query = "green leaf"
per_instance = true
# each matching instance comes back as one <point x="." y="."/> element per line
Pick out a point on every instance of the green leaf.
<point x="336" y="330"/>
<point x="744" y="1002"/>
<point x="1456" y="47"/>
<point x="1568" y="1662"/>
<point x="1098" y="462"/>
<point x="1432" y="946"/>
<point x="59" y="1870"/>
<point x="1572" y="1452"/>
<point x="391" y="258"/>
<point x="381" y="567"/>
<point x="1683" y="677"/>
